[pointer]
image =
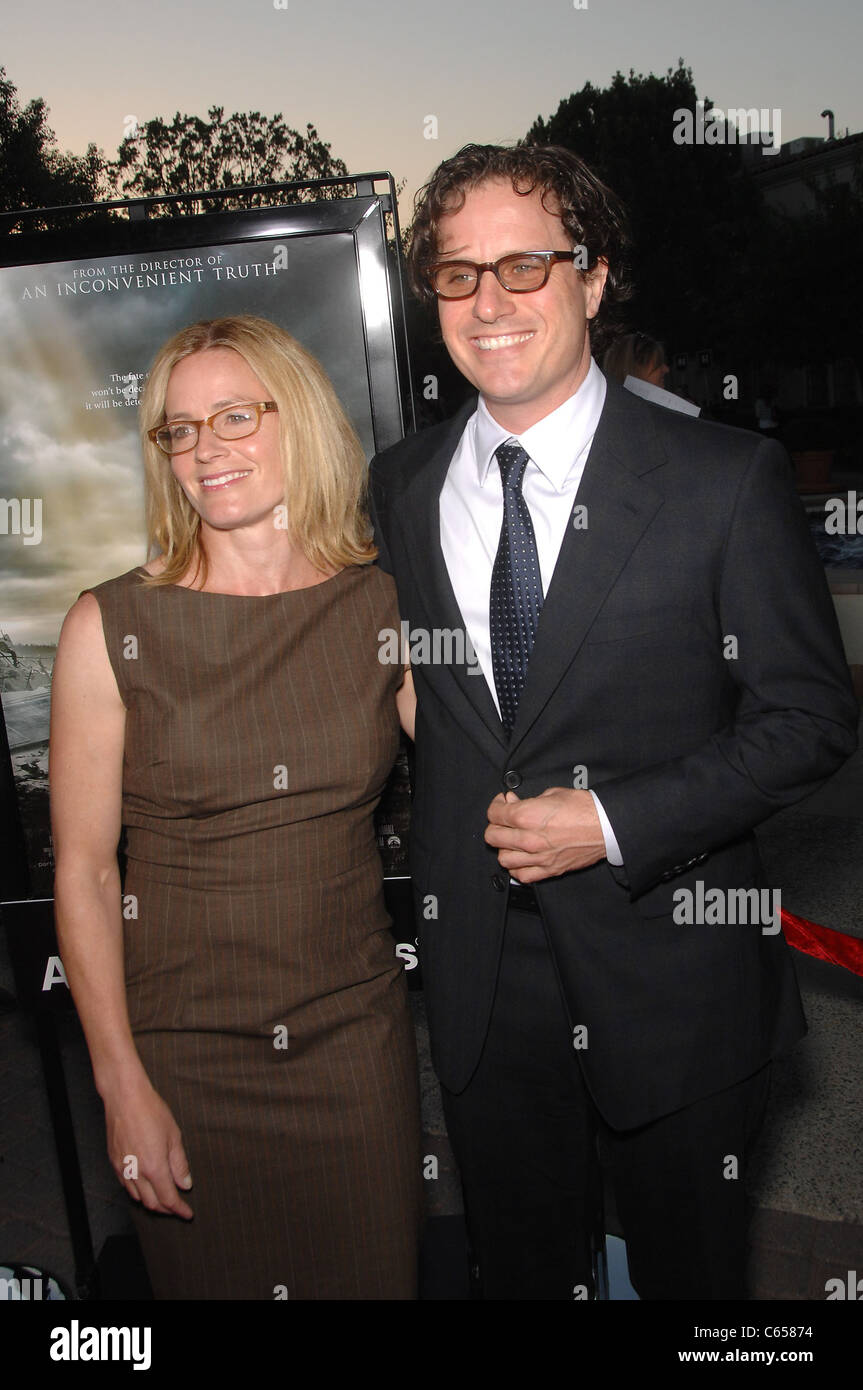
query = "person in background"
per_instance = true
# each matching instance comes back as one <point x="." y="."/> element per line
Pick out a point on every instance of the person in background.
<point x="765" y="413"/>
<point x="636" y="354"/>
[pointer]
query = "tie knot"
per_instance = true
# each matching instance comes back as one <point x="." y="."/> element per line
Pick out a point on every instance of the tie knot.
<point x="512" y="461"/>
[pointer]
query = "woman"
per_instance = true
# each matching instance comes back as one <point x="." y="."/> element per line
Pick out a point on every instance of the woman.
<point x="225" y="706"/>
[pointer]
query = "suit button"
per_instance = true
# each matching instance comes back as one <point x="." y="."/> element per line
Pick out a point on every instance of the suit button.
<point x="498" y="883"/>
<point x="512" y="779"/>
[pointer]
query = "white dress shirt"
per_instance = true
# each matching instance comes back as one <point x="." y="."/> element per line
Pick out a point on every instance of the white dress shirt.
<point x="471" y="512"/>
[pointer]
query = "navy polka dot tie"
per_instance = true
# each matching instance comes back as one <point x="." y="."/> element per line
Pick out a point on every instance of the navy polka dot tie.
<point x="516" y="586"/>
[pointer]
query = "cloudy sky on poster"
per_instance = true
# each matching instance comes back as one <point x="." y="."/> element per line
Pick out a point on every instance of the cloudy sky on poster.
<point x="73" y="341"/>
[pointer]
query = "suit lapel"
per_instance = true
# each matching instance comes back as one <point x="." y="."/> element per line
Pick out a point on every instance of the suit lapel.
<point x="620" y="505"/>
<point x="422" y="523"/>
<point x="621" y="502"/>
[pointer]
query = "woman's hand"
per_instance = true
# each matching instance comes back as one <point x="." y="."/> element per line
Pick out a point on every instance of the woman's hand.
<point x="146" y="1149"/>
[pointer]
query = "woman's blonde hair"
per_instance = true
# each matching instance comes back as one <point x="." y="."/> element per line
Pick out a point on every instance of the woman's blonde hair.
<point x="323" y="462"/>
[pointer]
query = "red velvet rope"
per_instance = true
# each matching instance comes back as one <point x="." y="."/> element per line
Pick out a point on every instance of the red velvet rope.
<point x="824" y="943"/>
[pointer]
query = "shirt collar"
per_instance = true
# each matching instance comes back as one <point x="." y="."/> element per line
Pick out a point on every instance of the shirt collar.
<point x="557" y="443"/>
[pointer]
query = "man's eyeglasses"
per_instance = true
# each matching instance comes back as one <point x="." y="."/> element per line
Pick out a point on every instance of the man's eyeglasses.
<point x="520" y="273"/>
<point x="235" y="422"/>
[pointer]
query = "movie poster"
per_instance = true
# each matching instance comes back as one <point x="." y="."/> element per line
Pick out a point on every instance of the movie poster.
<point x="76" y="341"/>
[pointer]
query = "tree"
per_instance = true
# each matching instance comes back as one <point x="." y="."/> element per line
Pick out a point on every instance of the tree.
<point x="33" y="171"/>
<point x="694" y="211"/>
<point x="811" y="278"/>
<point x="190" y="155"/>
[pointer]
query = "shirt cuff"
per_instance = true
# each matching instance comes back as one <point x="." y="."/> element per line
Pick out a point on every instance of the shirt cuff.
<point x="612" y="848"/>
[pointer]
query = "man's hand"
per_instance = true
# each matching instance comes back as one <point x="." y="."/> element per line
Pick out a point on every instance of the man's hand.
<point x="545" y="835"/>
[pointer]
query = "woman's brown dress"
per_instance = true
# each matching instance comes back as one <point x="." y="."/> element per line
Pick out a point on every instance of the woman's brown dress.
<point x="266" y="1001"/>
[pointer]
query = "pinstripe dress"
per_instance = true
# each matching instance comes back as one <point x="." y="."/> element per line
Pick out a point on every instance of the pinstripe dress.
<point x="265" y="999"/>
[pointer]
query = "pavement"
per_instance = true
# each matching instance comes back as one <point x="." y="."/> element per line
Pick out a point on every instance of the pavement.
<point x="806" y="1186"/>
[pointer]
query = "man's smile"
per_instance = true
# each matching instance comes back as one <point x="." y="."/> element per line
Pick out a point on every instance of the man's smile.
<point x="501" y="340"/>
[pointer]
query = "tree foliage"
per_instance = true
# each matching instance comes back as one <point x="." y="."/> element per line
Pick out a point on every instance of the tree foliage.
<point x="34" y="173"/>
<point x="190" y="155"/>
<point x="811" y="279"/>
<point x="693" y="210"/>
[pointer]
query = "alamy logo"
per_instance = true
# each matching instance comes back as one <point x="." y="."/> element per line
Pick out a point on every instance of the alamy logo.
<point x="76" y="1343"/>
<point x="21" y="516"/>
<point x="848" y="1288"/>
<point x="440" y="646"/>
<point x="131" y="390"/>
<point x="720" y="907"/>
<point x="739" y="125"/>
<point x="844" y="517"/>
<point x="23" y="1289"/>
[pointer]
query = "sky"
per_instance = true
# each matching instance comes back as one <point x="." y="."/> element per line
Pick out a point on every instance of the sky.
<point x="369" y="76"/>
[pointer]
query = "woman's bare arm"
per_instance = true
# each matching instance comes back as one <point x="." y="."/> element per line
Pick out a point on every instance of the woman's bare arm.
<point x="88" y="722"/>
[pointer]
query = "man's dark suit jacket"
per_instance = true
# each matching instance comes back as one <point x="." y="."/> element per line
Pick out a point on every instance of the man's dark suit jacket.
<point x="694" y="535"/>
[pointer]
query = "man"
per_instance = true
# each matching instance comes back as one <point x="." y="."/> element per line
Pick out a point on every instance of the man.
<point x="660" y="670"/>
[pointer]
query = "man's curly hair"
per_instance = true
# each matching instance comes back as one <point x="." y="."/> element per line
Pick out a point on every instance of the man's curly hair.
<point x="591" y="214"/>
